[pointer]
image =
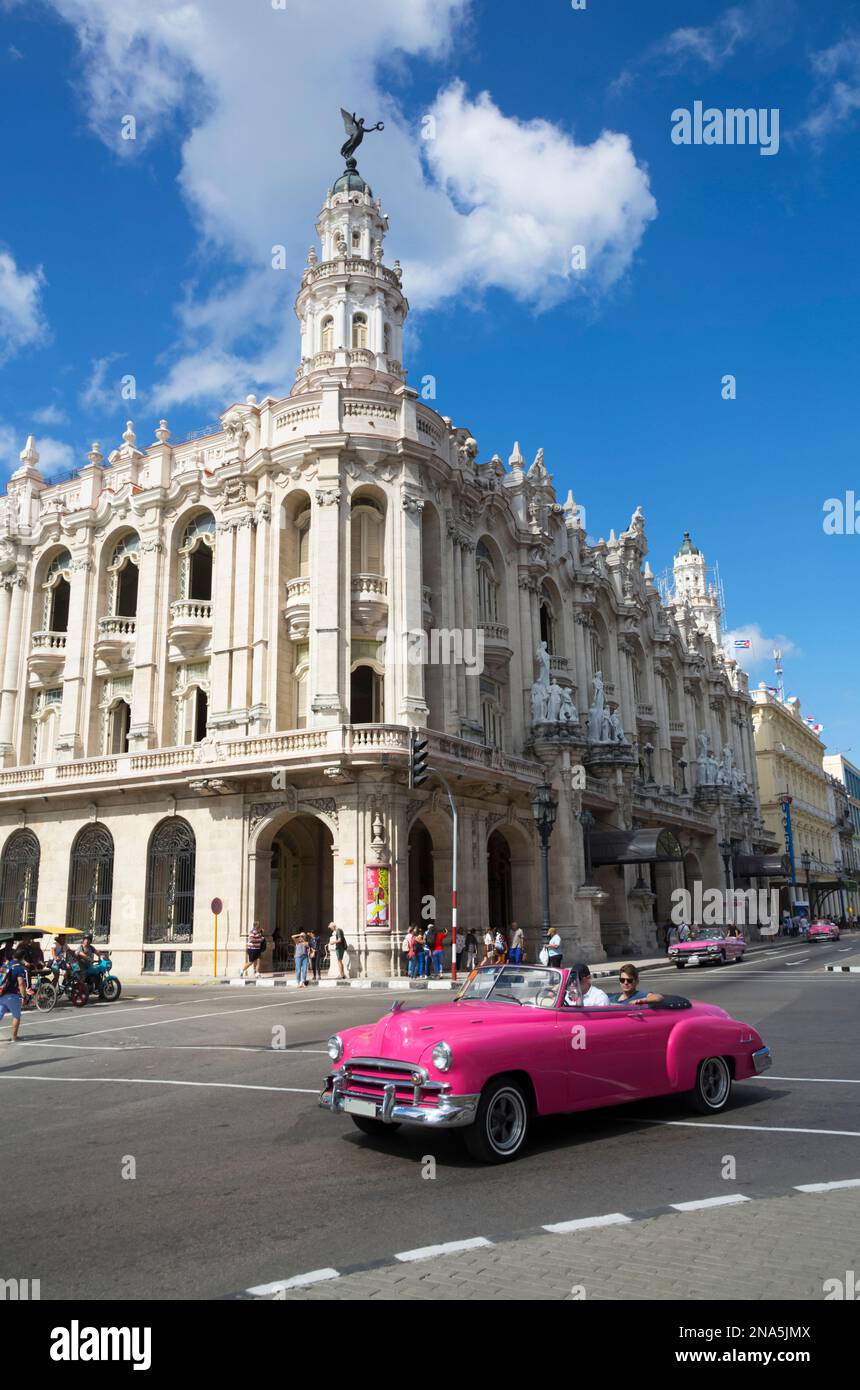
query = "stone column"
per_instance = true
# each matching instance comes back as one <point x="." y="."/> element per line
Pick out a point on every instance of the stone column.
<point x="329" y="700"/>
<point x="151" y="610"/>
<point x="265" y="590"/>
<point x="222" y="621"/>
<point x="243" y="606"/>
<point x="470" y="639"/>
<point x="11" y="670"/>
<point x="448" y="619"/>
<point x="406" y="616"/>
<point x="73" y="714"/>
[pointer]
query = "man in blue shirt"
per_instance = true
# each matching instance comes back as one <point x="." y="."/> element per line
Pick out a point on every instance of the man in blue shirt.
<point x="13" y="994"/>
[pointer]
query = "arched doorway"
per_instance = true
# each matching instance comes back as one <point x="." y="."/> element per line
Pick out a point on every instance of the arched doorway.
<point x="499" y="883"/>
<point x="421" y="875"/>
<point x="300" y="885"/>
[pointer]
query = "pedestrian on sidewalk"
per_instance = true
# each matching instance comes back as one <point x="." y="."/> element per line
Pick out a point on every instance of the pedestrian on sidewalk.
<point x="338" y="941"/>
<point x="410" y="952"/>
<point x="301" y="952"/>
<point x="515" y="955"/>
<point x="489" y="952"/>
<point x="439" y="935"/>
<point x="13" y="991"/>
<point x="552" y="952"/>
<point x="256" y="941"/>
<point x="315" y="954"/>
<point x="470" y="951"/>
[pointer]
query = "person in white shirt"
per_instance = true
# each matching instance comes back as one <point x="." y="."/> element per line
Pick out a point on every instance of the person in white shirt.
<point x="592" y="997"/>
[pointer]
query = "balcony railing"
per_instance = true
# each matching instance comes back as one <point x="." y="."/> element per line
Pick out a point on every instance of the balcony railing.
<point x="120" y="628"/>
<point x="296" y="745"/>
<point x="49" y="641"/>
<point x="184" y="610"/>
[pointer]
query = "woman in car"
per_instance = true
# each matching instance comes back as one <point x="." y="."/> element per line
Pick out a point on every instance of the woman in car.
<point x="630" y="993"/>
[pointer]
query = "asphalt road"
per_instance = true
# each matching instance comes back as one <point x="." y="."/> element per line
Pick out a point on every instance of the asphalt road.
<point x="240" y="1179"/>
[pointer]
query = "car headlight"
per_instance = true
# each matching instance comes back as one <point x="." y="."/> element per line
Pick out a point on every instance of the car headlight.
<point x="673" y="950"/>
<point x="442" y="1056"/>
<point x="334" y="1047"/>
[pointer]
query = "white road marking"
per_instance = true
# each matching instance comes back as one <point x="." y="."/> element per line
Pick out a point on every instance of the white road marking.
<point x="754" y="1129"/>
<point x="561" y="1228"/>
<point x="793" y="964"/>
<point x="299" y="1281"/>
<point x="161" y="1081"/>
<point x="827" y="1186"/>
<point x="171" y="1047"/>
<point x="829" y="1080"/>
<point x="731" y="1199"/>
<point x="161" y="1022"/>
<point x="451" y="1247"/>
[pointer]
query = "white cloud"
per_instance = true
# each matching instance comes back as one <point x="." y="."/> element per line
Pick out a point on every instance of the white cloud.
<point x="100" y="393"/>
<point x="22" y="322"/>
<point x="762" y="648"/>
<point x="836" y="99"/>
<point x="50" y="415"/>
<point x="498" y="202"/>
<point x="54" y="454"/>
<point x="712" y="45"/>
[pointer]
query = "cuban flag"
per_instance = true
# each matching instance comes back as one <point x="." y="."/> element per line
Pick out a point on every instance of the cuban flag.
<point x="743" y="644"/>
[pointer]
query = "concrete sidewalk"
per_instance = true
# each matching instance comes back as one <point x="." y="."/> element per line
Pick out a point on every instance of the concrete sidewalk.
<point x="798" y="1245"/>
<point x="282" y="980"/>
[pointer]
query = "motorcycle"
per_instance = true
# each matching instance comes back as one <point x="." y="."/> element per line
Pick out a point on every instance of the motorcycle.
<point x="98" y="980"/>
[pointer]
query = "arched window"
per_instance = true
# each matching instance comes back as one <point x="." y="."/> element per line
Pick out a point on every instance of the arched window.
<point x="91" y="882"/>
<point x="303" y="525"/>
<point x="19" y="881"/>
<point x="327" y="334"/>
<point x="596" y="651"/>
<point x="671" y="698"/>
<point x="57" y="593"/>
<point x="356" y="238"/>
<point x="123" y="570"/>
<point x="118" y="727"/>
<point x="547" y="624"/>
<point x="488" y="586"/>
<point x="46" y="725"/>
<point x="359" y="330"/>
<point x="365" y="696"/>
<point x="492" y="717"/>
<point x="196" y="555"/>
<point x="386" y="339"/>
<point x="366" y="537"/>
<point x="170" y="883"/>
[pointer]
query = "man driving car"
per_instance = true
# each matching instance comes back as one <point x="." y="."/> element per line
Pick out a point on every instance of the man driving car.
<point x="592" y="997"/>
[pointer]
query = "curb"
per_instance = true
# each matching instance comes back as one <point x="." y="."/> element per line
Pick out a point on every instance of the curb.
<point x="279" y="1287"/>
<point x="396" y="983"/>
<point x="843" y="969"/>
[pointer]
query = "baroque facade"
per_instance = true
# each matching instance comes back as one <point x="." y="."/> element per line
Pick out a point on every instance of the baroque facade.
<point x="216" y="649"/>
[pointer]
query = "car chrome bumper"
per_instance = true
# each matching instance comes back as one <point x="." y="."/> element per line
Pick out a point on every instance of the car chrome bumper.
<point x="451" y="1112"/>
<point x="762" y="1060"/>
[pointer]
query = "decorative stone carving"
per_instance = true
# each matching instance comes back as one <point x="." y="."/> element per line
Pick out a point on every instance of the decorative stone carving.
<point x="328" y="496"/>
<point x="326" y="804"/>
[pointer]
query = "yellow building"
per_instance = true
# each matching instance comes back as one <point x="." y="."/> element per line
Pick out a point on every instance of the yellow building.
<point x="797" y="801"/>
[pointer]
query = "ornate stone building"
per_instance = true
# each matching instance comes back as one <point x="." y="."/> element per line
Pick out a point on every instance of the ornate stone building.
<point x="215" y="650"/>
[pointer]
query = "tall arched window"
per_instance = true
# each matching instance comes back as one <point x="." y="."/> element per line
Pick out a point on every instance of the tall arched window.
<point x="303" y="525"/>
<point x="119" y="726"/>
<point x="386" y="339"/>
<point x="488" y="586"/>
<point x="366" y="537"/>
<point x="596" y="651"/>
<point x="366" y="696"/>
<point x="123" y="570"/>
<point x="359" y="330"/>
<point x="636" y="680"/>
<point x="55" y="616"/>
<point x="327" y="334"/>
<point x="19" y="881"/>
<point x="547" y="624"/>
<point x="170" y="874"/>
<point x="196" y="555"/>
<point x="91" y="882"/>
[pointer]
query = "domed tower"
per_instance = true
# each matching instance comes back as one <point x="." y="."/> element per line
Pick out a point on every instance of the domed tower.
<point x="696" y="585"/>
<point x="350" y="306"/>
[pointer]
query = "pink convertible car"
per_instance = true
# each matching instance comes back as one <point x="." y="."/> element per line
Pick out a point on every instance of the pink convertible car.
<point x="823" y="931"/>
<point x="709" y="945"/>
<point x="517" y="1043"/>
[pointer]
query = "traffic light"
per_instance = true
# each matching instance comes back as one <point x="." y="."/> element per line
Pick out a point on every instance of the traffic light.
<point x="418" y="769"/>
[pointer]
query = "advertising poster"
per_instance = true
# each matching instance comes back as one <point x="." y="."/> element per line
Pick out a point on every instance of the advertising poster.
<point x="376" y="898"/>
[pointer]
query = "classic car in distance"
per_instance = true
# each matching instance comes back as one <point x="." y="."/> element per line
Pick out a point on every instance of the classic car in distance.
<point x="517" y="1043"/>
<point x="822" y="931"/>
<point x="707" y="944"/>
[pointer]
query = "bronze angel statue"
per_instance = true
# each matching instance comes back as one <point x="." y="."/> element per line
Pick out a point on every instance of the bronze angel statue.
<point x="356" y="131"/>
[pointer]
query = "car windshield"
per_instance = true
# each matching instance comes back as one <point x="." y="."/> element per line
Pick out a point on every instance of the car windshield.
<point x="504" y="984"/>
<point x="707" y="934"/>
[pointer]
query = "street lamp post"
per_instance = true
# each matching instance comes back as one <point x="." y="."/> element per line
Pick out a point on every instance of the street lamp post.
<point x="544" y="810"/>
<point x="806" y="861"/>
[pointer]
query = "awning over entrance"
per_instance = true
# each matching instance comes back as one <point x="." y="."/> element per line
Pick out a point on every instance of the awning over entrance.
<point x="645" y="845"/>
<point x="762" y="866"/>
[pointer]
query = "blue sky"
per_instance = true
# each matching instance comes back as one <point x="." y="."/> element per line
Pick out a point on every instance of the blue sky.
<point x="152" y="257"/>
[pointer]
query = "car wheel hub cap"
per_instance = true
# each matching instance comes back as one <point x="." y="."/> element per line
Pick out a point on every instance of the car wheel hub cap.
<point x="506" y="1121"/>
<point x="714" y="1082"/>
